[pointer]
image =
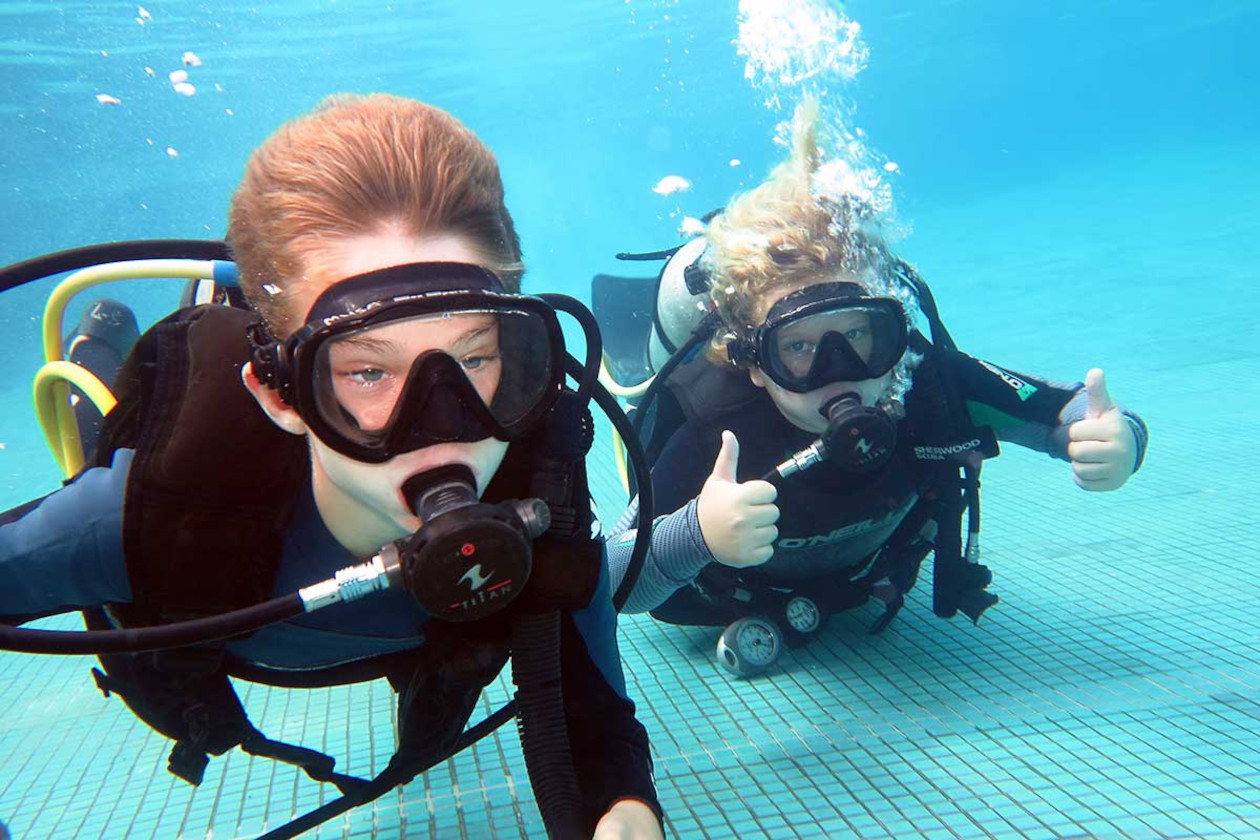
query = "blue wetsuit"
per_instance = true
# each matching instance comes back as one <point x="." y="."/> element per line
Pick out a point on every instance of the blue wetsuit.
<point x="66" y="552"/>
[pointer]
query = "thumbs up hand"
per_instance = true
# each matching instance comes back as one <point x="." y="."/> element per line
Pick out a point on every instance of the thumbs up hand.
<point x="737" y="520"/>
<point x="1103" y="448"/>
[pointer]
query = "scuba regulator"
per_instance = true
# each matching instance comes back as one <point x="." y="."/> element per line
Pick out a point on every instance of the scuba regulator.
<point x="469" y="559"/>
<point x="858" y="439"/>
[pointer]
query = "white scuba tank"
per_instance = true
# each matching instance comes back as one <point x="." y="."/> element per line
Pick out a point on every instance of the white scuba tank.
<point x="679" y="307"/>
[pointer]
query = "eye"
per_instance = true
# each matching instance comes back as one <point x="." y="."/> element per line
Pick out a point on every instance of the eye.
<point x="472" y="363"/>
<point x="855" y="334"/>
<point x="365" y="376"/>
<point x="800" y="345"/>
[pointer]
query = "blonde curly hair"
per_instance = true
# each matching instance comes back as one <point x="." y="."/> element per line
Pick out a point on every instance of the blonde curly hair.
<point x="787" y="233"/>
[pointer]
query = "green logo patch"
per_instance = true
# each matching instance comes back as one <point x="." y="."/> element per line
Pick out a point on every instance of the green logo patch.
<point x="1022" y="389"/>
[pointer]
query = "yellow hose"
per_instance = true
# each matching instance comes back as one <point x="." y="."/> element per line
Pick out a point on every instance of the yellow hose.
<point x="625" y="393"/>
<point x="56" y="414"/>
<point x="52" y="393"/>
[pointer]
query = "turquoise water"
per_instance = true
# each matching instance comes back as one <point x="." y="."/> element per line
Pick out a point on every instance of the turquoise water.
<point x="1078" y="179"/>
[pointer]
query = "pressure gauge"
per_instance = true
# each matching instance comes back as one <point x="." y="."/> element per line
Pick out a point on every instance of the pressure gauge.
<point x="749" y="646"/>
<point x="803" y="615"/>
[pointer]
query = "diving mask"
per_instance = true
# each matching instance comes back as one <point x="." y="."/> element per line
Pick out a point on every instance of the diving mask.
<point x="823" y="334"/>
<point x="414" y="355"/>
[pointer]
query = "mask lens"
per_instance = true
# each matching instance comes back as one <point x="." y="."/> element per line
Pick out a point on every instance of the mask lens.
<point x="368" y="380"/>
<point x="843" y="344"/>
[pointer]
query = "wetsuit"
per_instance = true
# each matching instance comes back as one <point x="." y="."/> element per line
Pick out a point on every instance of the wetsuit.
<point x="830" y="522"/>
<point x="65" y="552"/>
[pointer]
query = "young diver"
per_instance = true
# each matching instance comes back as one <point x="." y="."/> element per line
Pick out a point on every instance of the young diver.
<point x="400" y="377"/>
<point x="815" y="353"/>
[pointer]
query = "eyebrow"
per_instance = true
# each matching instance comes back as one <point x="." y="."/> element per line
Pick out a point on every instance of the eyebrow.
<point x="385" y="345"/>
<point x="473" y="335"/>
<point x="367" y="342"/>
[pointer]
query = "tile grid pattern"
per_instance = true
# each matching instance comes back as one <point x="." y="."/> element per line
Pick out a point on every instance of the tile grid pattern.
<point x="1114" y="693"/>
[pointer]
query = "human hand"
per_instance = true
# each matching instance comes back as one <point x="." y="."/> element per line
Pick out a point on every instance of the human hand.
<point x="737" y="520"/>
<point x="629" y="819"/>
<point x="1103" y="448"/>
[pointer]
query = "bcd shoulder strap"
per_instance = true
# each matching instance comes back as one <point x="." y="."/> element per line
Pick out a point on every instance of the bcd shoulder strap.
<point x="208" y="494"/>
<point x="950" y="464"/>
<point x="205" y="455"/>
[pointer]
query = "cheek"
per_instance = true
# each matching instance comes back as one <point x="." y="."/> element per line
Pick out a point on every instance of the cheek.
<point x="348" y="474"/>
<point x="486" y="456"/>
<point x="798" y="408"/>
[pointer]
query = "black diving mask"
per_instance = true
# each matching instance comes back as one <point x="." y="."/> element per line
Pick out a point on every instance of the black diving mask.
<point x="825" y="333"/>
<point x="414" y="355"/>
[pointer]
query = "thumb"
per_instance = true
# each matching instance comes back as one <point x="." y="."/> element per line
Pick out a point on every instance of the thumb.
<point x="727" y="461"/>
<point x="1099" y="400"/>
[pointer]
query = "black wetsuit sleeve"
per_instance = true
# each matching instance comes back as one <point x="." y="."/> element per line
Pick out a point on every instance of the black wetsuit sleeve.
<point x="609" y="746"/>
<point x="1028" y="410"/>
<point x="1003" y="398"/>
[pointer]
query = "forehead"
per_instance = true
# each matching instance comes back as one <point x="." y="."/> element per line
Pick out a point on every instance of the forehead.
<point x="841" y="319"/>
<point x="415" y="335"/>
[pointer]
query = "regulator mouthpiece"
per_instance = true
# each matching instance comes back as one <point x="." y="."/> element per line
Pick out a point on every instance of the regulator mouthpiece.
<point x="859" y="438"/>
<point x="441" y="489"/>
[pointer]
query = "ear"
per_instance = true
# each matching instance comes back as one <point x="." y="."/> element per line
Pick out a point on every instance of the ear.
<point x="280" y="412"/>
<point x="758" y="378"/>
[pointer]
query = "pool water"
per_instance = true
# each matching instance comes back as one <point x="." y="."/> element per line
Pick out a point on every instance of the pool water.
<point x="1076" y="181"/>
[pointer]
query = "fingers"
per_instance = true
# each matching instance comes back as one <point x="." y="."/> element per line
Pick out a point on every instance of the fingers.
<point x="1092" y="471"/>
<point x="1102" y="451"/>
<point x="1098" y="485"/>
<point x="758" y="492"/>
<point x="1092" y="451"/>
<point x="757" y="518"/>
<point x="1100" y="401"/>
<point x="1097" y="428"/>
<point x="759" y="556"/>
<point x="1098" y="477"/>
<point x="765" y="535"/>
<point x="726" y="465"/>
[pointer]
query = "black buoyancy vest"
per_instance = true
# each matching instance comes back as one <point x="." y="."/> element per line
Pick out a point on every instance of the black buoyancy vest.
<point x="935" y="422"/>
<point x="821" y="508"/>
<point x="207" y="456"/>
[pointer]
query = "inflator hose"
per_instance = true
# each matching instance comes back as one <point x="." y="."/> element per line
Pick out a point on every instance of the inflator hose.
<point x="701" y="333"/>
<point x="643" y="476"/>
<point x="159" y="637"/>
<point x="543" y="724"/>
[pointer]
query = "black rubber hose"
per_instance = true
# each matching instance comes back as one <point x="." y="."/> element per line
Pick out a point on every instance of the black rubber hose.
<point x="588" y="378"/>
<point x="643" y="476"/>
<point x="142" y="639"/>
<point x="37" y="268"/>
<point x="543" y="725"/>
